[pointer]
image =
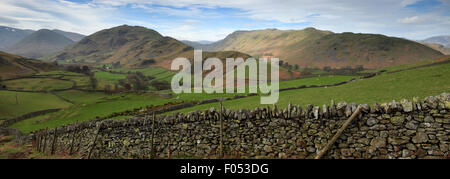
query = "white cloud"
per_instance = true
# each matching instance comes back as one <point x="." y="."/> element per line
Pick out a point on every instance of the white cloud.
<point x="410" y="20"/>
<point x="339" y="16"/>
<point x="408" y="2"/>
<point x="64" y="15"/>
<point x="388" y="17"/>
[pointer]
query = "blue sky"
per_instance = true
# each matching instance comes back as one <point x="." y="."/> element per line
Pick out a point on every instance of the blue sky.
<point x="213" y="20"/>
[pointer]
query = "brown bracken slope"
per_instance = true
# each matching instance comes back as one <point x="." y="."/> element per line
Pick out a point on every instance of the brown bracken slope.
<point x="12" y="66"/>
<point x="317" y="48"/>
<point x="133" y="47"/>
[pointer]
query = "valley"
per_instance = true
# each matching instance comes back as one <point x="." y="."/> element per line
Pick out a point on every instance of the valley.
<point x="123" y="73"/>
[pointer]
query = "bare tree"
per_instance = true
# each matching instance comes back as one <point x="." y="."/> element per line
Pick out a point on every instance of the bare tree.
<point x="93" y="82"/>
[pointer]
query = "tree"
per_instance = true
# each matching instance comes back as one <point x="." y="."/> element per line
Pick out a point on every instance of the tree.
<point x="296" y="67"/>
<point x="148" y="62"/>
<point x="2" y="86"/>
<point x="108" y="89"/>
<point x="79" y="69"/>
<point x="160" y="85"/>
<point x="93" y="82"/>
<point x="327" y="68"/>
<point x="116" y="87"/>
<point x="138" y="81"/>
<point x="359" y="68"/>
<point x="124" y="83"/>
<point x="85" y="69"/>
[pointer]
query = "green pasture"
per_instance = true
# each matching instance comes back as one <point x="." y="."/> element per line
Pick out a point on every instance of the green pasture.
<point x="27" y="102"/>
<point x="37" y="84"/>
<point x="419" y="82"/>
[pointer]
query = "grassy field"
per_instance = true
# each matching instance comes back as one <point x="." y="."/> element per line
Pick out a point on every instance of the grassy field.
<point x="110" y="77"/>
<point x="58" y="72"/>
<point x="28" y="102"/>
<point x="88" y="106"/>
<point x="37" y="84"/>
<point x="420" y="83"/>
<point x="407" y="66"/>
<point x="157" y="72"/>
<point x="106" y="78"/>
<point x="320" y="80"/>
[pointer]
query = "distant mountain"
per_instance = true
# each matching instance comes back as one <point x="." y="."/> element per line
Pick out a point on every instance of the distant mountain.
<point x="12" y="66"/>
<point x="438" y="47"/>
<point x="197" y="44"/>
<point x="10" y="36"/>
<point x="132" y="46"/>
<point x="71" y="35"/>
<point x="442" y="40"/>
<point x="317" y="48"/>
<point x="39" y="44"/>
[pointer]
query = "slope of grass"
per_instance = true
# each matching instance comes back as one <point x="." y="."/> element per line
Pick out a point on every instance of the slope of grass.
<point x="88" y="106"/>
<point x="158" y="72"/>
<point x="58" y="72"/>
<point x="410" y="65"/>
<point x="420" y="83"/>
<point x="37" y="84"/>
<point x="320" y="80"/>
<point x="80" y="81"/>
<point x="28" y="102"/>
<point x="110" y="77"/>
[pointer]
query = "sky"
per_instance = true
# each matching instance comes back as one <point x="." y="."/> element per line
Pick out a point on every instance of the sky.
<point x="214" y="20"/>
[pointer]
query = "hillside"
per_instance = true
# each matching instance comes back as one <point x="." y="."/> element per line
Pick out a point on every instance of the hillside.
<point x="14" y="66"/>
<point x="197" y="44"/>
<point x="132" y="46"/>
<point x="71" y="35"/>
<point x="316" y="48"/>
<point x="40" y="43"/>
<point x="442" y="40"/>
<point x="368" y="50"/>
<point x="10" y="36"/>
<point x="438" y="47"/>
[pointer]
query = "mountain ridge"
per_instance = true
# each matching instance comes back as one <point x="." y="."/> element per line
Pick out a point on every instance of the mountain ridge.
<point x="10" y="36"/>
<point x="442" y="40"/>
<point x="311" y="47"/>
<point x="39" y="44"/>
<point x="71" y="35"/>
<point x="131" y="46"/>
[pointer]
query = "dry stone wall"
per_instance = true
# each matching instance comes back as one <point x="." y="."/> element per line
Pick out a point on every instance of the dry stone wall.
<point x="405" y="129"/>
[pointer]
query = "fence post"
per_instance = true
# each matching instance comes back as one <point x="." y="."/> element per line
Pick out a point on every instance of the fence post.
<point x="73" y="139"/>
<point x="52" y="150"/>
<point x="152" y="154"/>
<point x="338" y="133"/>
<point x="144" y="133"/>
<point x="221" y="130"/>
<point x="36" y="141"/>
<point x="45" y="139"/>
<point x="95" y="140"/>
